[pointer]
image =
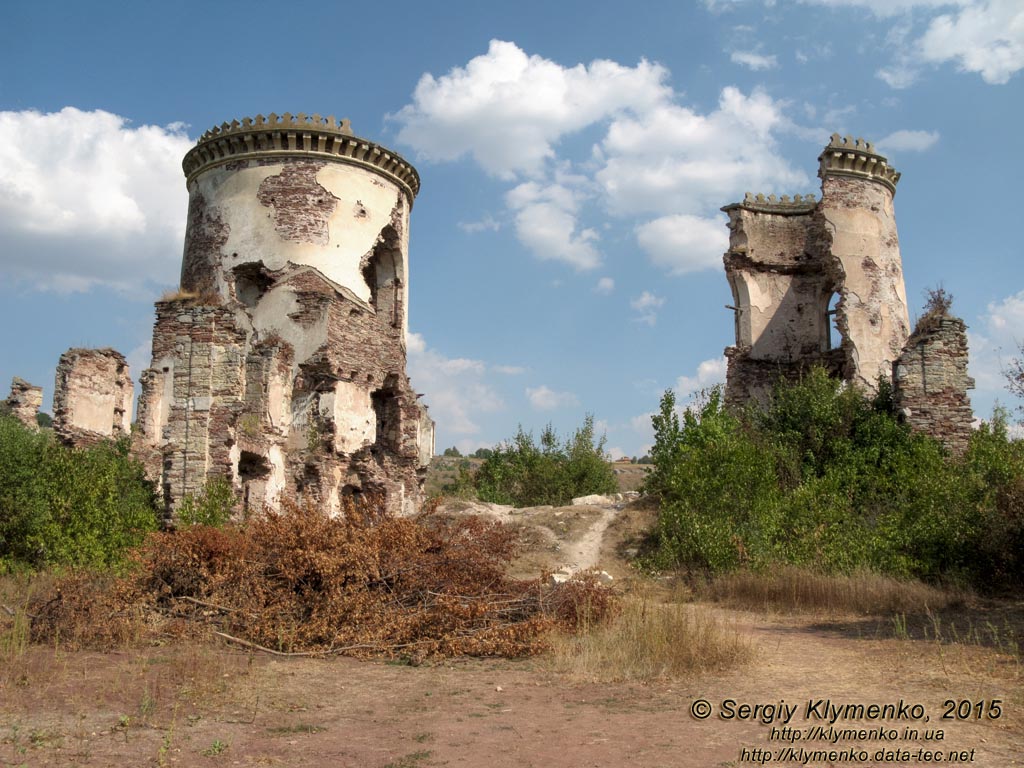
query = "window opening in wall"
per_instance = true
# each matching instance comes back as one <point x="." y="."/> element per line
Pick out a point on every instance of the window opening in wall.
<point x="834" y="339"/>
<point x="386" y="411"/>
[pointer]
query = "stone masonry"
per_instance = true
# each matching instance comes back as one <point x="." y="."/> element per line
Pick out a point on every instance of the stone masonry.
<point x="24" y="401"/>
<point x="821" y="283"/>
<point x="930" y="383"/>
<point x="92" y="396"/>
<point x="798" y="267"/>
<point x="280" y="365"/>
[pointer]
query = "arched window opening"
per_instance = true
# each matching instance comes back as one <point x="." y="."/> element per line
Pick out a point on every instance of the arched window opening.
<point x="833" y="338"/>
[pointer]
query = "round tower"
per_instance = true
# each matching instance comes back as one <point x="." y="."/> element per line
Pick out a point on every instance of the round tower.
<point x="300" y="190"/>
<point x="280" y="365"/>
<point x="858" y="186"/>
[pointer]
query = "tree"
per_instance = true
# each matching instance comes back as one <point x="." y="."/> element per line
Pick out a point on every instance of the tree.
<point x="452" y="452"/>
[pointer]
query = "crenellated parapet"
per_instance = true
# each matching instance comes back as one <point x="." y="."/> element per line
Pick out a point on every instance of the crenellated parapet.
<point x="300" y="136"/>
<point x="783" y="205"/>
<point x="847" y="156"/>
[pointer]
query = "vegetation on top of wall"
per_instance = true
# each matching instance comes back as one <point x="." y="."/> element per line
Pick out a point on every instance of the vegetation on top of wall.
<point x="62" y="506"/>
<point x="524" y="474"/>
<point x="827" y="478"/>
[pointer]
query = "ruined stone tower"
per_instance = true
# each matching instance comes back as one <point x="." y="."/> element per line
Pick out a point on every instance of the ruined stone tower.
<point x="281" y="363"/>
<point x="798" y="266"/>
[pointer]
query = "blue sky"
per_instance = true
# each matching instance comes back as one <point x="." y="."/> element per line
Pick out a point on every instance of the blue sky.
<point x="566" y="243"/>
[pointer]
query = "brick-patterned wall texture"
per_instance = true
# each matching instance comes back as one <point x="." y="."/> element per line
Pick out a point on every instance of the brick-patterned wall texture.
<point x="281" y="364"/>
<point x="24" y="402"/>
<point x="821" y="283"/>
<point x="930" y="383"/>
<point x="92" y="396"/>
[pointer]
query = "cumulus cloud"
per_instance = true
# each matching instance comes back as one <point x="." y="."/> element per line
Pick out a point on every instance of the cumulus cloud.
<point x="508" y="109"/>
<point x="1001" y="331"/>
<point x="888" y="8"/>
<point x="86" y="200"/>
<point x="985" y="37"/>
<point x="909" y="141"/>
<point x="543" y="398"/>
<point x="684" y="243"/>
<point x="673" y="159"/>
<point x="487" y="223"/>
<point x="755" y="61"/>
<point x="646" y="305"/>
<point x="457" y="390"/>
<point x="546" y="224"/>
<point x="655" y="156"/>
<point x="509" y="370"/>
<point x="604" y="286"/>
<point x="709" y="373"/>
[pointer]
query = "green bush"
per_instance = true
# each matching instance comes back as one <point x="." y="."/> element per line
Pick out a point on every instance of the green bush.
<point x="213" y="505"/>
<point x="62" y="506"/>
<point x="525" y="474"/>
<point x="827" y="478"/>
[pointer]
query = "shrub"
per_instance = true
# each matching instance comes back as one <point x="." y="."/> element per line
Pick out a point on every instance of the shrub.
<point x="525" y="474"/>
<point x="824" y="477"/>
<point x="213" y="505"/>
<point x="362" y="584"/>
<point x="63" y="506"/>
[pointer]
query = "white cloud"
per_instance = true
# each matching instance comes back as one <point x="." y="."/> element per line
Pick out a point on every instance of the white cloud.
<point x="456" y="388"/>
<point x="487" y="223"/>
<point x="87" y="200"/>
<point x="647" y="305"/>
<point x="900" y="74"/>
<point x="508" y="109"/>
<point x="543" y="398"/>
<point x="909" y="141"/>
<point x="672" y="159"/>
<point x="888" y="8"/>
<point x="709" y="373"/>
<point x="755" y="61"/>
<point x="684" y="243"/>
<point x="985" y="37"/>
<point x="546" y="224"/>
<point x="509" y="370"/>
<point x="605" y="286"/>
<point x="992" y="348"/>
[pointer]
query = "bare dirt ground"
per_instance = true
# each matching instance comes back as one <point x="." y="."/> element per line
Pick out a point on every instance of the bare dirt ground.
<point x="202" y="704"/>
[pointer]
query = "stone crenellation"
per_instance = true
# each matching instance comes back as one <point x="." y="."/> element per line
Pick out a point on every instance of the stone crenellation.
<point x="299" y="135"/>
<point x="846" y="156"/>
<point x="783" y="204"/>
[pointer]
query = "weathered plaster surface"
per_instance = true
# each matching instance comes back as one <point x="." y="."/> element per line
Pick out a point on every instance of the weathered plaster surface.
<point x="288" y="376"/>
<point x="92" y="396"/>
<point x="789" y="258"/>
<point x="24" y="401"/>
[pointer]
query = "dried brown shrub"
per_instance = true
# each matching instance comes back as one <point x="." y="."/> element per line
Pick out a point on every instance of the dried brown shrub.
<point x="364" y="584"/>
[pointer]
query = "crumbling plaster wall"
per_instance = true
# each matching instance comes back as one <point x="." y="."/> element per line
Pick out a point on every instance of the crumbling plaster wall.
<point x="791" y="260"/>
<point x="294" y="269"/>
<point x="872" y="311"/>
<point x="25" y="401"/>
<point x="92" y="396"/>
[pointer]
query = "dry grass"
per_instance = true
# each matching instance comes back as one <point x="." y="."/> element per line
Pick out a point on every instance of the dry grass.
<point x="799" y="590"/>
<point x="651" y="640"/>
<point x="207" y="298"/>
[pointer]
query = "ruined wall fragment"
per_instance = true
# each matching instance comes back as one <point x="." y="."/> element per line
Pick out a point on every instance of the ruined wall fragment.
<point x="930" y="383"/>
<point x="802" y="272"/>
<point x="92" y="396"/>
<point x="24" y="402"/>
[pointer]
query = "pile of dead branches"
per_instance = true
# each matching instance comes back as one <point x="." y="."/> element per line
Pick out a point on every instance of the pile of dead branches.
<point x="299" y="581"/>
